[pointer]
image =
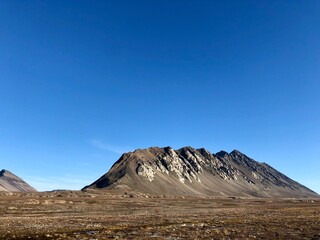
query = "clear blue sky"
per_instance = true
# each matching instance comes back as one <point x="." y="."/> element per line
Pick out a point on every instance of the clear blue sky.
<point x="83" y="81"/>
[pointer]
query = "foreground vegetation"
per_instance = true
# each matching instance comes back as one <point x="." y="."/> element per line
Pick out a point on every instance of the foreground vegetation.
<point x="93" y="215"/>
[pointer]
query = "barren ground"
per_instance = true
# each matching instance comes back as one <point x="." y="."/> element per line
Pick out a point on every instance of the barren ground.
<point x="92" y="215"/>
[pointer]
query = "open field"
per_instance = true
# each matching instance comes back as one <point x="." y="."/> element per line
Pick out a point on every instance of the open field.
<point x="92" y="215"/>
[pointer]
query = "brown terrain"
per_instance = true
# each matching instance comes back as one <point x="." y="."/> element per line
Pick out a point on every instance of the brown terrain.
<point x="161" y="193"/>
<point x="109" y="215"/>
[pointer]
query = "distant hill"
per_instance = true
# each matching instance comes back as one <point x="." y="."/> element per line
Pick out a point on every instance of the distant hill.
<point x="190" y="171"/>
<point x="11" y="183"/>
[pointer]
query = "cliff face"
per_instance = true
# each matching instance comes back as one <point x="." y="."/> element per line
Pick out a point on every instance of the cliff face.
<point x="190" y="171"/>
<point x="11" y="183"/>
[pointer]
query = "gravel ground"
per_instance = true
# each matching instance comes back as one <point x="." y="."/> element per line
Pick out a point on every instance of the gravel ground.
<point x="81" y="215"/>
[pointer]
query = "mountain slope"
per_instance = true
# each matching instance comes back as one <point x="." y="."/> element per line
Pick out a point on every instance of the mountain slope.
<point x="11" y="183"/>
<point x="190" y="171"/>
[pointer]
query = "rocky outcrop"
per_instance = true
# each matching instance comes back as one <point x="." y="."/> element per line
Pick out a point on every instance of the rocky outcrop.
<point x="190" y="171"/>
<point x="11" y="183"/>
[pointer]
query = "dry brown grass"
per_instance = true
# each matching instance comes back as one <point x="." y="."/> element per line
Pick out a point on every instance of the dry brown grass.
<point x="76" y="215"/>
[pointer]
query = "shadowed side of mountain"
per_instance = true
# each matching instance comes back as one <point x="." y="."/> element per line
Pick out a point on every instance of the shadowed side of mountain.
<point x="11" y="183"/>
<point x="189" y="171"/>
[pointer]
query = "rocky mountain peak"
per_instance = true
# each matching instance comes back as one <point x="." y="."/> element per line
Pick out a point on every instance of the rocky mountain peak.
<point x="222" y="153"/>
<point x="187" y="148"/>
<point x="12" y="183"/>
<point x="237" y="153"/>
<point x="2" y="172"/>
<point x="8" y="174"/>
<point x="190" y="171"/>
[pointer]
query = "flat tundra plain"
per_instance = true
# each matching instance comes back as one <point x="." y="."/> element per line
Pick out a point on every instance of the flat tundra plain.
<point x="107" y="215"/>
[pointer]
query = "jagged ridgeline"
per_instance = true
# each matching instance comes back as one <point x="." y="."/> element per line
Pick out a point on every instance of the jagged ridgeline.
<point x="190" y="171"/>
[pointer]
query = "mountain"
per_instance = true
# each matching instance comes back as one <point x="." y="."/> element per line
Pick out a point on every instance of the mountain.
<point x="190" y="171"/>
<point x="11" y="183"/>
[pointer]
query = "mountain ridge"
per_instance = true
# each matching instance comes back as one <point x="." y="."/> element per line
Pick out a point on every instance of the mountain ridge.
<point x="190" y="171"/>
<point x="12" y="183"/>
